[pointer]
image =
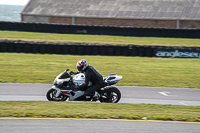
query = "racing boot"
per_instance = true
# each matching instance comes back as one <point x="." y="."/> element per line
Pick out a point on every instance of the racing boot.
<point x="88" y="98"/>
<point x="96" y="97"/>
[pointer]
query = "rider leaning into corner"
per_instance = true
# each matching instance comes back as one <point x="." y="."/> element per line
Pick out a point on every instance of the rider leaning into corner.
<point x="90" y="75"/>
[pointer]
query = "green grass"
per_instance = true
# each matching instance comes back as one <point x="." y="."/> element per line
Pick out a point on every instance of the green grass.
<point x="99" y="110"/>
<point x="102" y="39"/>
<point x="136" y="71"/>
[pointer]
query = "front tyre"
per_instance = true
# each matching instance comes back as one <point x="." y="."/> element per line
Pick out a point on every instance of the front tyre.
<point x="110" y="95"/>
<point x="51" y="96"/>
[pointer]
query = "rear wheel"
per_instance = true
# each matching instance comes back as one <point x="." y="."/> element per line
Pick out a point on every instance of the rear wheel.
<point x="110" y="95"/>
<point x="51" y="96"/>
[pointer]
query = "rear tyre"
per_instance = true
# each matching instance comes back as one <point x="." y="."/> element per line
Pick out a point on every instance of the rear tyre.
<point x="51" y="96"/>
<point x="110" y="95"/>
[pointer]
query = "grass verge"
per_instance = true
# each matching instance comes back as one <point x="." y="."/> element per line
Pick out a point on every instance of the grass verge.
<point x="100" y="39"/>
<point x="99" y="110"/>
<point x="136" y="71"/>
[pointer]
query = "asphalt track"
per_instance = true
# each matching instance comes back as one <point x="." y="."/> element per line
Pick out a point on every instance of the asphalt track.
<point x="130" y="94"/>
<point x="94" y="126"/>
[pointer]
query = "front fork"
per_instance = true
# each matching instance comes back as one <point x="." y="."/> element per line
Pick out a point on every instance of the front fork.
<point x="57" y="89"/>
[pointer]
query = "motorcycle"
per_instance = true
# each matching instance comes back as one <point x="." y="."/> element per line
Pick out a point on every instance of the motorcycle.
<point x="63" y="89"/>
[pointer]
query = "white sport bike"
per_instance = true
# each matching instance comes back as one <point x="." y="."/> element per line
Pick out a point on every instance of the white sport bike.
<point x="62" y="89"/>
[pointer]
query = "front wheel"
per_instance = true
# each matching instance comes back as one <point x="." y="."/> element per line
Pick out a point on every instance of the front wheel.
<point x="110" y="95"/>
<point x="51" y="96"/>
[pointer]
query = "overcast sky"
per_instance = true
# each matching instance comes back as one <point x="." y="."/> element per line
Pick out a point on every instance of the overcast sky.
<point x="14" y="2"/>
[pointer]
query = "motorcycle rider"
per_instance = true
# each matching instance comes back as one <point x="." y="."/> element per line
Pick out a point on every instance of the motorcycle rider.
<point x="90" y="75"/>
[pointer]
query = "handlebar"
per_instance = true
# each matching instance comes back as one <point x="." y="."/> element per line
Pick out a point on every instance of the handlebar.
<point x="71" y="72"/>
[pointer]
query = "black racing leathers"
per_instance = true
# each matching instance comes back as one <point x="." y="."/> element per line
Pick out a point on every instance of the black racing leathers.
<point x="93" y="76"/>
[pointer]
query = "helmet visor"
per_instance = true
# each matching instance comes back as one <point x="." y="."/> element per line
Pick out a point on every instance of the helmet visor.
<point x="80" y="68"/>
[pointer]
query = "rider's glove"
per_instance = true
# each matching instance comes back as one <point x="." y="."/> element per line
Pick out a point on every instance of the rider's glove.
<point x="71" y="72"/>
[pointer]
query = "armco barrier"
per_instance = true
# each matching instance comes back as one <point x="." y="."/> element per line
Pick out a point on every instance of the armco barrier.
<point x="90" y="49"/>
<point x="99" y="30"/>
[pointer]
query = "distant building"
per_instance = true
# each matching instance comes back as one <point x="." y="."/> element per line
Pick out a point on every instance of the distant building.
<point x="134" y="13"/>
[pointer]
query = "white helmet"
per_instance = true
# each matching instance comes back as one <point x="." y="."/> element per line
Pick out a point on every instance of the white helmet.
<point x="81" y="65"/>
